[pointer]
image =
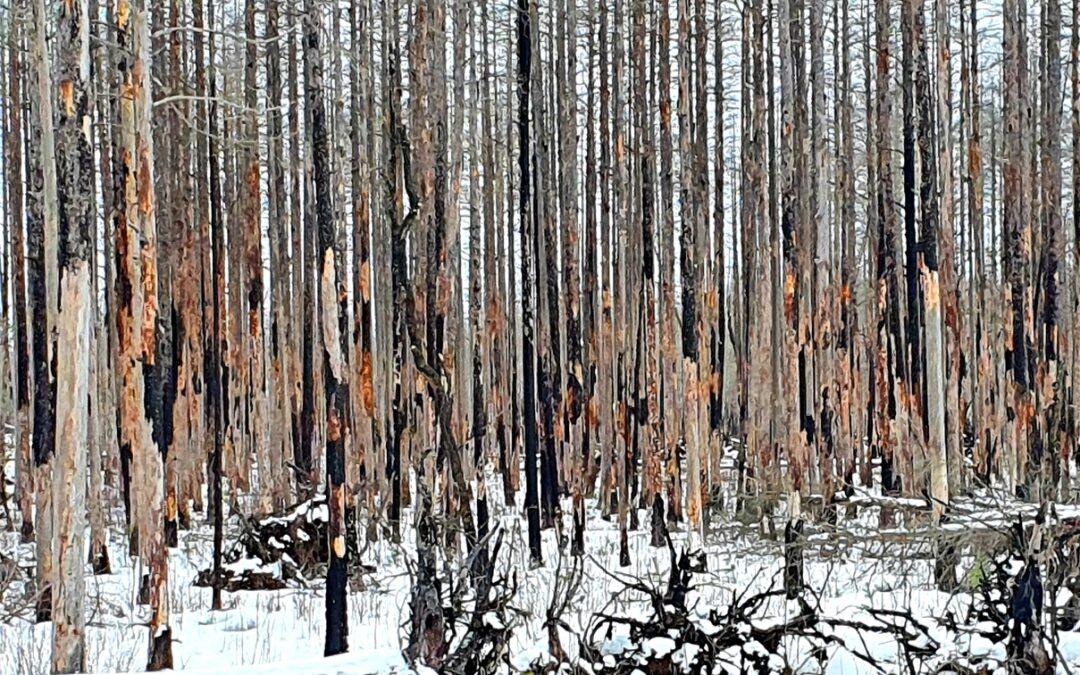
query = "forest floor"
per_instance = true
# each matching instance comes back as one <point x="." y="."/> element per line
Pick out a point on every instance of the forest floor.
<point x="853" y="569"/>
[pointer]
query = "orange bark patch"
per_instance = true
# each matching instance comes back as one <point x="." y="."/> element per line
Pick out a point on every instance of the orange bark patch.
<point x="367" y="385"/>
<point x="789" y="295"/>
<point x="365" y="281"/>
<point x="333" y="424"/>
<point x="67" y="96"/>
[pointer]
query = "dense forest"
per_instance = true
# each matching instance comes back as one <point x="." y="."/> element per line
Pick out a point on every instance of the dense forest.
<point x="430" y="262"/>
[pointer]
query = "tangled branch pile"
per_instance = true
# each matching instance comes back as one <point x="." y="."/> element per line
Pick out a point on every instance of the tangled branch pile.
<point x="282" y="548"/>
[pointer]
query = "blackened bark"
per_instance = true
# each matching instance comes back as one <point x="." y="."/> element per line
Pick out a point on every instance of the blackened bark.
<point x="337" y="617"/>
<point x="215" y="369"/>
<point x="528" y="358"/>
<point x="41" y="210"/>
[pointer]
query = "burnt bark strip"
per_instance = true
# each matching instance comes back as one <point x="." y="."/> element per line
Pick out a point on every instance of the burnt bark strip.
<point x="337" y="617"/>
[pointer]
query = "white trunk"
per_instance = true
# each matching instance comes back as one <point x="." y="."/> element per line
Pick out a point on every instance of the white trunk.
<point x="69" y="484"/>
<point x="935" y="384"/>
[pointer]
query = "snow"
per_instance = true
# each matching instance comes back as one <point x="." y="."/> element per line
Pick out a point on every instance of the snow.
<point x="269" y="632"/>
<point x="659" y="646"/>
<point x="373" y="662"/>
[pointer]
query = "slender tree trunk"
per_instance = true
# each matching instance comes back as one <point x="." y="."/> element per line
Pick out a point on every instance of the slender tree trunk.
<point x="23" y="357"/>
<point x="793" y="289"/>
<point x="929" y="269"/>
<point x="363" y="351"/>
<point x="41" y="247"/>
<point x="75" y="167"/>
<point x="1074" y="77"/>
<point x="689" y="272"/>
<point x="330" y="312"/>
<point x="1049" y="375"/>
<point x="278" y="388"/>
<point x="528" y="358"/>
<point x="571" y="237"/>
<point x="1017" y="231"/>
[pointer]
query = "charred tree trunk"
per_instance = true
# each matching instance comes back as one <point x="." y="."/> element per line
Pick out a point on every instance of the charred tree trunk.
<point x="528" y="358"/>
<point x="1050" y="437"/>
<point x="23" y="356"/>
<point x="216" y="371"/>
<point x="75" y="169"/>
<point x="333" y="362"/>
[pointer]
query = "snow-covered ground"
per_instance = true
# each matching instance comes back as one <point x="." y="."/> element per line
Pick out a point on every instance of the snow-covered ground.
<point x="851" y="567"/>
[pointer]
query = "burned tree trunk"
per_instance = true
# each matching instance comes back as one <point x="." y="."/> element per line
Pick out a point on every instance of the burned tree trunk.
<point x="528" y="358"/>
<point x="75" y="167"/>
<point x="136" y="252"/>
<point x="798" y="463"/>
<point x="251" y="236"/>
<point x="1018" y="234"/>
<point x="23" y="361"/>
<point x="573" y="401"/>
<point x="41" y="247"/>
<point x="216" y="371"/>
<point x="330" y="312"/>
<point x="1049" y="438"/>
<point x="689" y="272"/>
